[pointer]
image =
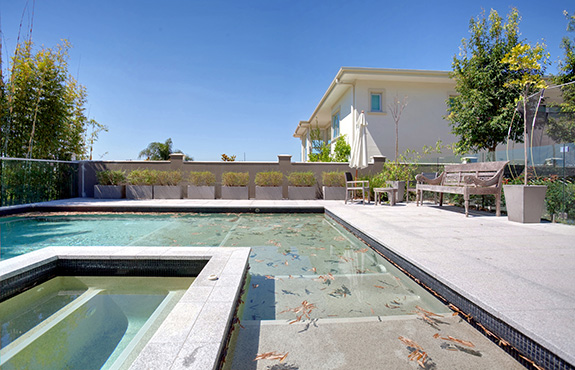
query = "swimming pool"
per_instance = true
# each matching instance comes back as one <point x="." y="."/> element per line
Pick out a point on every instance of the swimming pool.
<point x="310" y="281"/>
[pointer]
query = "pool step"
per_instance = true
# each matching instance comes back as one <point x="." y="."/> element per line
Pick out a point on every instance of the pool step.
<point x="26" y="339"/>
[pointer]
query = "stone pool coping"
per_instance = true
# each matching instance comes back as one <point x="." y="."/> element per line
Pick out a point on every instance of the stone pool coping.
<point x="193" y="335"/>
<point x="519" y="274"/>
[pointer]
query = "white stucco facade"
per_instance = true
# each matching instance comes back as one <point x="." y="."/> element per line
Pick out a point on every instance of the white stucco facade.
<point x="351" y="91"/>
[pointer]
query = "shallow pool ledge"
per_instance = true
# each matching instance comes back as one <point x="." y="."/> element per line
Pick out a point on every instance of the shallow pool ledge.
<point x="193" y="335"/>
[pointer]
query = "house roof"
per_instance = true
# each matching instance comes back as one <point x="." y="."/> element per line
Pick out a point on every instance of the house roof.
<point x="347" y="76"/>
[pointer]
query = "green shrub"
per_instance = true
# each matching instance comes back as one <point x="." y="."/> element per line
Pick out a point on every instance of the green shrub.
<point x="168" y="178"/>
<point x="205" y="178"/>
<point x="301" y="179"/>
<point x="235" y="179"/>
<point x="109" y="177"/>
<point x="333" y="179"/>
<point x="143" y="177"/>
<point x="272" y="178"/>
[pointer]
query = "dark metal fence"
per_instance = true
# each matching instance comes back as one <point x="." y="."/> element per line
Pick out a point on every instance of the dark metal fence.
<point x="25" y="181"/>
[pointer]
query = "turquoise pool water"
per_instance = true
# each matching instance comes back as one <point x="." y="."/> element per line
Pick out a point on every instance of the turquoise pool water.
<point x="314" y="291"/>
<point x="85" y="322"/>
<point x="295" y="257"/>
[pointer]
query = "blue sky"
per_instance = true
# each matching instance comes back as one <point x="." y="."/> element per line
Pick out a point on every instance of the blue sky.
<point x="236" y="77"/>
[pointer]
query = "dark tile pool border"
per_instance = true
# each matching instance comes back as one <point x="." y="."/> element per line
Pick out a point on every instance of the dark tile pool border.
<point x="191" y="336"/>
<point x="520" y="344"/>
<point x="109" y="208"/>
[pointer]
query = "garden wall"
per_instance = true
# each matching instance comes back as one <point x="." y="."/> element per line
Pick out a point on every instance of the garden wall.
<point x="88" y="169"/>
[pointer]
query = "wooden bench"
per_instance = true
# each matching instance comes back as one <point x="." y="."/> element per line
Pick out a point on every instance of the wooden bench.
<point x="471" y="178"/>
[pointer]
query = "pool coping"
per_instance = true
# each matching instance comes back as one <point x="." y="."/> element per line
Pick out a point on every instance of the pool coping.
<point x="540" y="349"/>
<point x="193" y="335"/>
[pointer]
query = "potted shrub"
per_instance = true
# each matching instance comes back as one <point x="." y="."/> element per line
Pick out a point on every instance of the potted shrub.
<point x="111" y="184"/>
<point x="524" y="203"/>
<point x="333" y="185"/>
<point x="235" y="185"/>
<point x="140" y="184"/>
<point x="396" y="174"/>
<point x="167" y="185"/>
<point x="201" y="185"/>
<point x="269" y="185"/>
<point x="302" y="185"/>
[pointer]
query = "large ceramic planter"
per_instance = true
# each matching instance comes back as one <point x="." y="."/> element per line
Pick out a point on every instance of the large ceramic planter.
<point x="524" y="202"/>
<point x="235" y="192"/>
<point x="109" y="191"/>
<point x="400" y="186"/>
<point x="301" y="192"/>
<point x="139" y="191"/>
<point x="167" y="192"/>
<point x="269" y="192"/>
<point x="333" y="193"/>
<point x="201" y="192"/>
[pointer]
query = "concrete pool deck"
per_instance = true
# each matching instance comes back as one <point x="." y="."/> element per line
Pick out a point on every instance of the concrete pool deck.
<point x="522" y="274"/>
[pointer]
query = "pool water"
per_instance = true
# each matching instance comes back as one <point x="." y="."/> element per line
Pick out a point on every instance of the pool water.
<point x="295" y="257"/>
<point x="314" y="291"/>
<point x="85" y="322"/>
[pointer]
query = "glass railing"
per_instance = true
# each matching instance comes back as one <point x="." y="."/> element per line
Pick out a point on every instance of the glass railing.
<point x="25" y="181"/>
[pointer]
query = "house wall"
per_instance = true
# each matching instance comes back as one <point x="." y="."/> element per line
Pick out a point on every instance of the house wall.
<point x="421" y="122"/>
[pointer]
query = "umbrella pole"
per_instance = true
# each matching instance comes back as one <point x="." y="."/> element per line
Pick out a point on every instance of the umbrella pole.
<point x="356" y="174"/>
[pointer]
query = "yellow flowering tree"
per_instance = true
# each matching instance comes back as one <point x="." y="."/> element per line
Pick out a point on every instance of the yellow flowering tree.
<point x="530" y="62"/>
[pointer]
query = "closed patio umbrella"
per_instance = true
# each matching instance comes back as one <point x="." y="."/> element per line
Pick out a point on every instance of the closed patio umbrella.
<point x="358" y="159"/>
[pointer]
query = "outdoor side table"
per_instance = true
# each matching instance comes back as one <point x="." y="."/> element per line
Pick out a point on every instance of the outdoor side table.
<point x="390" y="192"/>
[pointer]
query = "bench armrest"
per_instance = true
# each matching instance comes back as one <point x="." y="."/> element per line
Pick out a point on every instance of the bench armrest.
<point x="421" y="179"/>
<point x="474" y="180"/>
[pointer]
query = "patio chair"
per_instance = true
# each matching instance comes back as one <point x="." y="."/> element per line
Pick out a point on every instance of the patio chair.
<point x="352" y="186"/>
<point x="411" y="184"/>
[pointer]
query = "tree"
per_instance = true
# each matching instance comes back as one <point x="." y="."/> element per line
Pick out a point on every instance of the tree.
<point x="483" y="108"/>
<point x="563" y="128"/>
<point x="530" y="63"/>
<point x="43" y="106"/>
<point x="156" y="151"/>
<point x="396" y="109"/>
<point x="321" y="149"/>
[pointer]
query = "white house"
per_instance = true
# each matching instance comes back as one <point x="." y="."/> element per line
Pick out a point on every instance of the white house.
<point x="372" y="90"/>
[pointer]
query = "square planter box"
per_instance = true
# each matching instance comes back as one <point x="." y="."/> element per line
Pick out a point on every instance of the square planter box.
<point x="109" y="191"/>
<point x="400" y="186"/>
<point x="301" y="192"/>
<point x="201" y="192"/>
<point x="139" y="191"/>
<point x="234" y="192"/>
<point x="167" y="192"/>
<point x="524" y="203"/>
<point x="333" y="193"/>
<point x="269" y="192"/>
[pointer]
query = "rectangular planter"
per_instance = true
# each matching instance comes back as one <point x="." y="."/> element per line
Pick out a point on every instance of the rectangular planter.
<point x="109" y="191"/>
<point x="400" y="186"/>
<point x="302" y="192"/>
<point x="524" y="203"/>
<point x="234" y="192"/>
<point x="333" y="193"/>
<point x="269" y="192"/>
<point x="139" y="191"/>
<point x="167" y="192"/>
<point x="201" y="192"/>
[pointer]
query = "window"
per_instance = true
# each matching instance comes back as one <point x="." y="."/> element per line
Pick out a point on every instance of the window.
<point x="335" y="125"/>
<point x="375" y="102"/>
